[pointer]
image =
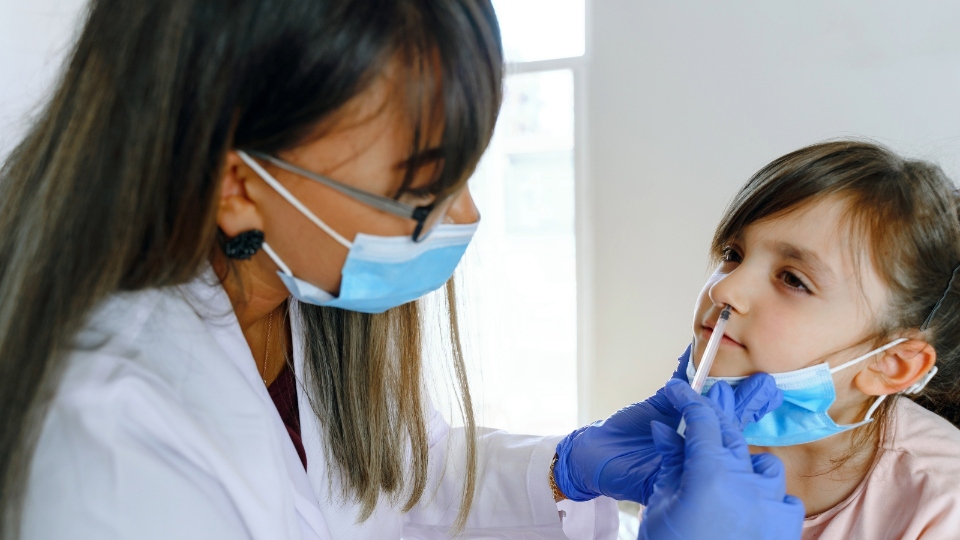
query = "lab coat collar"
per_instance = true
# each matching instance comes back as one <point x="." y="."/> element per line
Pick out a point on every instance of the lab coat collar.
<point x="208" y="298"/>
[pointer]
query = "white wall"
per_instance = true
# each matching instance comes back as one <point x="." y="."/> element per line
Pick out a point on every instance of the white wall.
<point x="34" y="36"/>
<point x="687" y="99"/>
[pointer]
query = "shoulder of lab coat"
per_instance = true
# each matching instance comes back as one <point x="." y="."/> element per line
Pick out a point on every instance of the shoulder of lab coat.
<point x="157" y="431"/>
<point x="513" y="498"/>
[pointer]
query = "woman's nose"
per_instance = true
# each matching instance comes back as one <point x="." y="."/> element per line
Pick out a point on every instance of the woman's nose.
<point x="463" y="210"/>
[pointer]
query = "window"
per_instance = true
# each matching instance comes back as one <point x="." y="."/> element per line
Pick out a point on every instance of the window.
<point x="519" y="278"/>
<point x="535" y="30"/>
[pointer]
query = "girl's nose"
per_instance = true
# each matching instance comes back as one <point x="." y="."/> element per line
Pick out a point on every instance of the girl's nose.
<point x="732" y="289"/>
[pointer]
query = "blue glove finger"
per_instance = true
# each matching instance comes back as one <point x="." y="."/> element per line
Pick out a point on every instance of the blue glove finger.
<point x="756" y="396"/>
<point x="721" y="396"/>
<point x="669" y="444"/>
<point x="795" y="501"/>
<point x="695" y="409"/>
<point x="725" y="397"/>
<point x="769" y="466"/>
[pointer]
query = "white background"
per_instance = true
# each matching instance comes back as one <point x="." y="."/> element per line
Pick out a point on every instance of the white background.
<point x="34" y="36"/>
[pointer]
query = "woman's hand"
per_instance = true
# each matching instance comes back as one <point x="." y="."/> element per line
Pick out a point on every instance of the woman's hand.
<point x="617" y="456"/>
<point x="709" y="485"/>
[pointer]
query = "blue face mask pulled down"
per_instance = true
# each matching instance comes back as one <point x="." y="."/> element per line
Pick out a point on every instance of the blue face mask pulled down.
<point x="807" y="395"/>
<point x="381" y="272"/>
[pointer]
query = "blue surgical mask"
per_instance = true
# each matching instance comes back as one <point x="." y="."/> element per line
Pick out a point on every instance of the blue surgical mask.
<point x="381" y="272"/>
<point x="807" y="395"/>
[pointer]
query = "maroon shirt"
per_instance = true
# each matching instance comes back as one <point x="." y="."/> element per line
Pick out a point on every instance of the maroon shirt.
<point x="283" y="392"/>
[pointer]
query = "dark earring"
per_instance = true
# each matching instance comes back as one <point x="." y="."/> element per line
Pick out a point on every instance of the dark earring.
<point x="244" y="245"/>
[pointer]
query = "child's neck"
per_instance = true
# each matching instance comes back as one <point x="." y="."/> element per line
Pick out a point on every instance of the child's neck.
<point x="824" y="473"/>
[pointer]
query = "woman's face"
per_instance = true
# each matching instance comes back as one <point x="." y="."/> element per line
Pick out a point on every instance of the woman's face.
<point x="368" y="148"/>
<point x="798" y="297"/>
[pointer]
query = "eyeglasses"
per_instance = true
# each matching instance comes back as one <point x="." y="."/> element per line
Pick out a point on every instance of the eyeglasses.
<point x="427" y="217"/>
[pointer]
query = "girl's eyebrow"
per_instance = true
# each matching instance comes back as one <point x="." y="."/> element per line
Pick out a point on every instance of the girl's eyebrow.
<point x="821" y="270"/>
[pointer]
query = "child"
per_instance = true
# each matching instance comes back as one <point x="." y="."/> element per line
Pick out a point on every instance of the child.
<point x="825" y="256"/>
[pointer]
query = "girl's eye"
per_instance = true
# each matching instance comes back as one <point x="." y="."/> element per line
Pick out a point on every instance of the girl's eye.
<point x="730" y="255"/>
<point x="795" y="283"/>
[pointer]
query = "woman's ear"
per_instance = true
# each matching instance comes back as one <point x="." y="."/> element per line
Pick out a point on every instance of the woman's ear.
<point x="236" y="212"/>
<point x="897" y="369"/>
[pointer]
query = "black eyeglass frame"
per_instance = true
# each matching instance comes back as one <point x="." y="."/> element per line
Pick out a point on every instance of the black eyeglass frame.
<point x="421" y="214"/>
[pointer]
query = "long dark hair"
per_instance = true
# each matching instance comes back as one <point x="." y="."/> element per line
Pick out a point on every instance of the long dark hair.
<point x="115" y="186"/>
<point x="905" y="214"/>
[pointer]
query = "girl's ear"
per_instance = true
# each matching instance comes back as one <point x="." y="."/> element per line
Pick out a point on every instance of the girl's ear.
<point x="897" y="369"/>
<point x="236" y="212"/>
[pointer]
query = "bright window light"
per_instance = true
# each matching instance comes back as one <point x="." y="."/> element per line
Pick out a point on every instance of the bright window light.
<point x="519" y="276"/>
<point x="541" y="29"/>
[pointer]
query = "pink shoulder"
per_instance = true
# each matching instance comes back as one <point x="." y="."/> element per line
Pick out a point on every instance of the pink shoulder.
<point x="921" y="450"/>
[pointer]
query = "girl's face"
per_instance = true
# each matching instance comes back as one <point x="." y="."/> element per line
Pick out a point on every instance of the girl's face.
<point x="801" y="293"/>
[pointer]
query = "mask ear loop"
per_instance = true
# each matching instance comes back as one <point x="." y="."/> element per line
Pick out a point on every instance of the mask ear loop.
<point x="278" y="187"/>
<point x="873" y="408"/>
<point x="276" y="259"/>
<point x="858" y="359"/>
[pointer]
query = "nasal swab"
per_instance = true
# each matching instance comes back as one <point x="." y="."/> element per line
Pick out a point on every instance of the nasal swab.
<point x="706" y="361"/>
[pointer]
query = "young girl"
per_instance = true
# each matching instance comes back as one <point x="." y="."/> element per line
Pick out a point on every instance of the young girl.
<point x="839" y="262"/>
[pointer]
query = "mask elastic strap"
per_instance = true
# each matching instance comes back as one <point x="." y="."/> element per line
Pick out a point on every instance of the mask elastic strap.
<point x="278" y="187"/>
<point x="276" y="259"/>
<point x="859" y="359"/>
<point x="873" y="408"/>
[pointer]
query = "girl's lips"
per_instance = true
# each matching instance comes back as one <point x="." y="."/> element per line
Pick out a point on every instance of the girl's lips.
<point x="708" y="331"/>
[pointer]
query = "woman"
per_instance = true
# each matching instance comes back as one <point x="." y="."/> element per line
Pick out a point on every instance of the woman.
<point x="213" y="236"/>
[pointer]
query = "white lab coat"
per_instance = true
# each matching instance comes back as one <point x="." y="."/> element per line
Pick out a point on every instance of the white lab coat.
<point x="162" y="429"/>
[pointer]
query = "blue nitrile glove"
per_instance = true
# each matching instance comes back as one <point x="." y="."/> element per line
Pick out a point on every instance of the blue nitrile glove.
<point x="709" y="485"/>
<point x="617" y="458"/>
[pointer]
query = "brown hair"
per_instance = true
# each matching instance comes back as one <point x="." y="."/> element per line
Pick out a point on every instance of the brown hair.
<point x="115" y="186"/>
<point x="906" y="211"/>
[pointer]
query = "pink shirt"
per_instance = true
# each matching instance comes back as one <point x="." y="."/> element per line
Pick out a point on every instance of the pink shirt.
<point x="912" y="490"/>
